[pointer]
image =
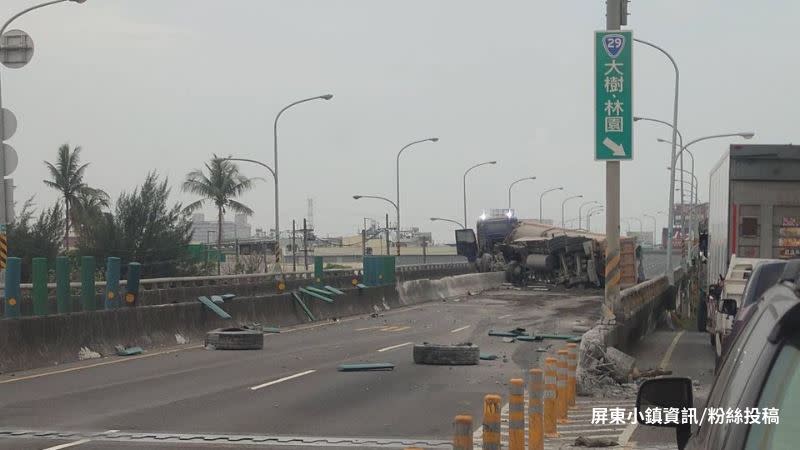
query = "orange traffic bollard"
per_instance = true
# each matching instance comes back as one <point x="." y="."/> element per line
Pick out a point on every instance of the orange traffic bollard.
<point x="561" y="386"/>
<point x="516" y="414"/>
<point x="462" y="438"/>
<point x="535" y="406"/>
<point x="572" y="367"/>
<point x="491" y="422"/>
<point x="549" y="419"/>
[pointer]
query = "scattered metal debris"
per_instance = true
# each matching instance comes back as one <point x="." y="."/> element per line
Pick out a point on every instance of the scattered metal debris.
<point x="300" y="302"/>
<point x="213" y="307"/>
<point x="365" y="367"/>
<point x="509" y="340"/>
<point x="488" y="356"/>
<point x="87" y="353"/>
<point x="128" y="351"/>
<point x="581" y="441"/>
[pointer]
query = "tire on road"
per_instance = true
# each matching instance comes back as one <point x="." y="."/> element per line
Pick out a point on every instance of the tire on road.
<point x="235" y="339"/>
<point x="449" y="355"/>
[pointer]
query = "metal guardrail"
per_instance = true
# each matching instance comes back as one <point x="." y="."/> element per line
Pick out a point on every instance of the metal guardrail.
<point x="173" y="282"/>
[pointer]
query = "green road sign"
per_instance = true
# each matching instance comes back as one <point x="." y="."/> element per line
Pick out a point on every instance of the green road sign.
<point x="613" y="95"/>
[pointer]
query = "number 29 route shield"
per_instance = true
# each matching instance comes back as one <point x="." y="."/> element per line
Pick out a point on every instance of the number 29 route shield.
<point x="613" y="95"/>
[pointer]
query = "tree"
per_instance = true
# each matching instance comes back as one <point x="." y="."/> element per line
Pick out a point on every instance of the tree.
<point x="143" y="228"/>
<point x="67" y="178"/>
<point x="31" y="237"/>
<point x="222" y="183"/>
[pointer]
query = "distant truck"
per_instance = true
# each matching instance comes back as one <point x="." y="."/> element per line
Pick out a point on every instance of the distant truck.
<point x="754" y="206"/>
<point x="754" y="217"/>
<point x="530" y="250"/>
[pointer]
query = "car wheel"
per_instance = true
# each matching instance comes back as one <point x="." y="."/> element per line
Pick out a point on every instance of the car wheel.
<point x="449" y="355"/>
<point x="235" y="339"/>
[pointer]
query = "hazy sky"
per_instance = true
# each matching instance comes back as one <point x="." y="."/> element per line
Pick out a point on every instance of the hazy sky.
<point x="163" y="84"/>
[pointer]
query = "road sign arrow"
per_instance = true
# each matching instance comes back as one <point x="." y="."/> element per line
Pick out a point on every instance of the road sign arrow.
<point x="616" y="149"/>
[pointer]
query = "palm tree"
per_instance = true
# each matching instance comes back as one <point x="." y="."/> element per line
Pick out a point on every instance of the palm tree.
<point x="222" y="183"/>
<point x="67" y="178"/>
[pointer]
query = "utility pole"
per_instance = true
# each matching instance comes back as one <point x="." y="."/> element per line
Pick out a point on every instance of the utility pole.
<point x="424" y="250"/>
<point x="388" y="250"/>
<point x="294" y="247"/>
<point x="364" y="238"/>
<point x="614" y="21"/>
<point x="305" y="245"/>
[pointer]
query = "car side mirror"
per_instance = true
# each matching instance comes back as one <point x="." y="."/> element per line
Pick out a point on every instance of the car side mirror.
<point x="668" y="395"/>
<point x="728" y="306"/>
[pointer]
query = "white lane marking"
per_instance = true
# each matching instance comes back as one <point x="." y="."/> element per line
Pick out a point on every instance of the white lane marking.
<point x="459" y="329"/>
<point x="69" y="444"/>
<point x="671" y="348"/>
<point x="105" y="363"/>
<point x="281" y="380"/>
<point x="386" y="349"/>
<point x="625" y="437"/>
<point x="505" y="317"/>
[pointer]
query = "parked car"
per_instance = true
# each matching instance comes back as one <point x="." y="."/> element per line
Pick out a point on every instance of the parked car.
<point x="759" y="371"/>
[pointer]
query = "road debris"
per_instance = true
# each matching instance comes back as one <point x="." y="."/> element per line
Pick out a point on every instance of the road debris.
<point x="87" y="353"/>
<point x="365" y="367"/>
<point x="180" y="339"/>
<point x="446" y="355"/>
<point x="509" y="340"/>
<point x="621" y="364"/>
<point x="649" y="373"/>
<point x="603" y="372"/>
<point x="488" y="356"/>
<point x="581" y="441"/>
<point x="128" y="351"/>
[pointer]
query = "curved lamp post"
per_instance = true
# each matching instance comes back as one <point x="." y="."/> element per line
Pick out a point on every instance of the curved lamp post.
<point x="562" y="207"/>
<point x="512" y="185"/>
<point x="580" y="211"/>
<point x="671" y="211"/>
<point x="275" y="164"/>
<point x="464" y="183"/>
<point x="541" y="196"/>
<point x="397" y="168"/>
<point x="460" y="225"/>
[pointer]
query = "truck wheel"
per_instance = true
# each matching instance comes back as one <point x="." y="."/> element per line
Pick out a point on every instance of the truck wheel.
<point x="702" y="315"/>
<point x="449" y="355"/>
<point x="235" y="339"/>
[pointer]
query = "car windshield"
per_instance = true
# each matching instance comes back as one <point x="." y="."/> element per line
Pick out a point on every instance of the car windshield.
<point x="764" y="277"/>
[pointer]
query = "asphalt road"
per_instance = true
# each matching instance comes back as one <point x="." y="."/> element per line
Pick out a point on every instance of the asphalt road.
<point x="290" y="393"/>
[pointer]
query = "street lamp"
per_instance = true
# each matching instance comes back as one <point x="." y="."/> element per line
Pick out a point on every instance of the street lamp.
<point x="460" y="225"/>
<point x="356" y="197"/>
<point x="512" y="185"/>
<point x="594" y="211"/>
<point x="560" y="188"/>
<point x="641" y="228"/>
<point x="564" y="203"/>
<point x="580" y="211"/>
<point x="671" y="211"/>
<point x="275" y="167"/>
<point x="397" y="167"/>
<point x="655" y="227"/>
<point x="464" y="183"/>
<point x="674" y="126"/>
<point x="4" y="215"/>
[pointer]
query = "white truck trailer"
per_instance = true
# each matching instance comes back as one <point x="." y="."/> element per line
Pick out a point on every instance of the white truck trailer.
<point x="754" y="206"/>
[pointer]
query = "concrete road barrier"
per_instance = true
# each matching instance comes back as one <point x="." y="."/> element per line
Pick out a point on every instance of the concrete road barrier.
<point x="37" y="341"/>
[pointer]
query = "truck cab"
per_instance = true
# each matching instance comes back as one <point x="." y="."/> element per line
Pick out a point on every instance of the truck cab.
<point x="490" y="231"/>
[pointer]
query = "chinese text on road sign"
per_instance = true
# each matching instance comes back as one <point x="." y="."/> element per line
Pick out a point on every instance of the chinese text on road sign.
<point x="613" y="95"/>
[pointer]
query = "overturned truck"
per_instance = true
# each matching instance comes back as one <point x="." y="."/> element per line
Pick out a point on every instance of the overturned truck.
<point x="530" y="251"/>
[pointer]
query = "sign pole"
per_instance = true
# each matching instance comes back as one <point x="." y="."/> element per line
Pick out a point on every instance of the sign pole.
<point x="612" y="275"/>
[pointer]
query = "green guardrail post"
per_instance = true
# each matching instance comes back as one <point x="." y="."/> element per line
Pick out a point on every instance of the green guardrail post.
<point x="132" y="288"/>
<point x="112" y="282"/>
<point x="318" y="269"/>
<point x="39" y="293"/>
<point x="88" y="300"/>
<point x="12" y="291"/>
<point x="63" y="302"/>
